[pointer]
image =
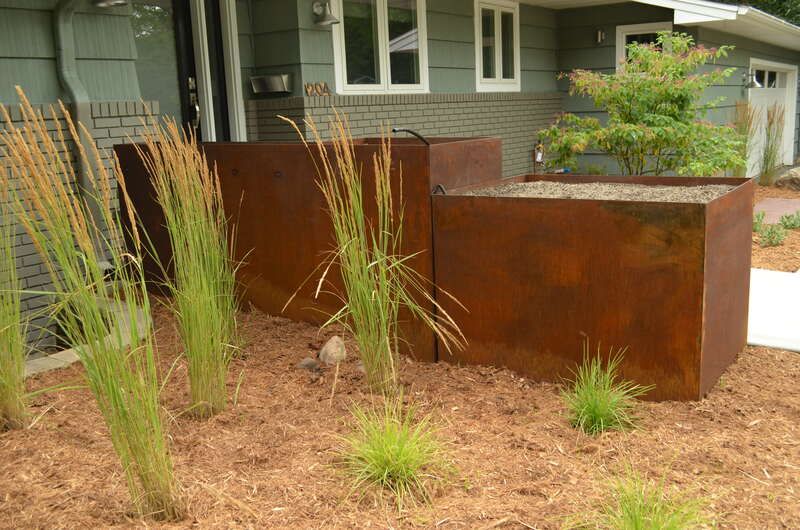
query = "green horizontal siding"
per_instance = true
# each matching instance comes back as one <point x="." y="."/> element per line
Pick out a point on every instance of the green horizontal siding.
<point x="538" y="49"/>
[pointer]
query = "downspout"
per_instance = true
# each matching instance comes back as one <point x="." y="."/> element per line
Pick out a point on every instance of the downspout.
<point x="67" y="67"/>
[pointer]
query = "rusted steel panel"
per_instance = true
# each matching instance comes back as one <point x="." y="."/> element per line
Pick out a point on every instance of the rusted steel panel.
<point x="729" y="232"/>
<point x="459" y="164"/>
<point x="284" y="232"/>
<point x="537" y="276"/>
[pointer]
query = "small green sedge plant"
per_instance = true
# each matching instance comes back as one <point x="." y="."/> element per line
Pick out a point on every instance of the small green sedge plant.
<point x="13" y="408"/>
<point x="790" y="221"/>
<point x="655" y="115"/>
<point x="377" y="278"/>
<point x="203" y="285"/>
<point x="75" y="233"/>
<point x="392" y="451"/>
<point x="758" y="222"/>
<point x="635" y="503"/>
<point x="597" y="399"/>
<point x="771" y="235"/>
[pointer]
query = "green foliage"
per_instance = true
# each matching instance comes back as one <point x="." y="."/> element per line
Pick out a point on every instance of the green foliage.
<point x="758" y="222"/>
<point x="378" y="279"/>
<point x="13" y="409"/>
<point x="118" y="354"/>
<point x="204" y="285"/>
<point x="596" y="399"/>
<point x="389" y="450"/>
<point x="790" y="221"/>
<point x="771" y="235"/>
<point x="637" y="504"/>
<point x="655" y="120"/>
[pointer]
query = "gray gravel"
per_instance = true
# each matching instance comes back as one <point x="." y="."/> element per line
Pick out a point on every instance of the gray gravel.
<point x="606" y="191"/>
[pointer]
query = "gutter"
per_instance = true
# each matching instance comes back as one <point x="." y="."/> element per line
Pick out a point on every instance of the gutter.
<point x="67" y="67"/>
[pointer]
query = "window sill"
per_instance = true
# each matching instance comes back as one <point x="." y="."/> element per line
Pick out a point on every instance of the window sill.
<point x="498" y="87"/>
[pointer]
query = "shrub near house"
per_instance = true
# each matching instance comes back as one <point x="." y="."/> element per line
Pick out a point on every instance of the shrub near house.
<point x="653" y="104"/>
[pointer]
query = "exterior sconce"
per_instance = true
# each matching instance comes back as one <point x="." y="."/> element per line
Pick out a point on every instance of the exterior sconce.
<point x="322" y="13"/>
<point x="600" y="36"/>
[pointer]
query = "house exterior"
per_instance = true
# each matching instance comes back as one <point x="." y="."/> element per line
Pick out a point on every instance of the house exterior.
<point x="439" y="67"/>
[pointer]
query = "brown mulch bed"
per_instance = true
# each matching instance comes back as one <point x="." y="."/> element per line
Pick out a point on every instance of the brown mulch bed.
<point x="785" y="257"/>
<point x="267" y="462"/>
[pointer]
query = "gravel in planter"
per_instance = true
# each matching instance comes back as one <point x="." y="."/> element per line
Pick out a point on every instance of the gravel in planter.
<point x="606" y="191"/>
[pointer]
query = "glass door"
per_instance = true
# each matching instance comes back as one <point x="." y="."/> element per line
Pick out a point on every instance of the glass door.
<point x="180" y="62"/>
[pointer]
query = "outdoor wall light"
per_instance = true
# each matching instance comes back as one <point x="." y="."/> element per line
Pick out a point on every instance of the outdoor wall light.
<point x="322" y="13"/>
<point x="109" y="3"/>
<point x="600" y="36"/>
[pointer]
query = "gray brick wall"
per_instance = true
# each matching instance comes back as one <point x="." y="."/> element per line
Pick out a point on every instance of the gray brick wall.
<point x="112" y="123"/>
<point x="514" y="117"/>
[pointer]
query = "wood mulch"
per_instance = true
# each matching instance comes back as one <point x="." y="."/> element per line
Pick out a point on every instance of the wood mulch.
<point x="785" y="257"/>
<point x="268" y="461"/>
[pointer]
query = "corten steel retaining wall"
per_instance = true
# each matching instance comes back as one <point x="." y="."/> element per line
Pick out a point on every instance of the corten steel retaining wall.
<point x="669" y="281"/>
<point x="283" y="230"/>
<point x="513" y="117"/>
<point x="112" y="123"/>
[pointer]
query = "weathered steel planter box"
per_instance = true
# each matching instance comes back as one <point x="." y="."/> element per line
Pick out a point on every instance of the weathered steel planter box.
<point x="669" y="281"/>
<point x="284" y="231"/>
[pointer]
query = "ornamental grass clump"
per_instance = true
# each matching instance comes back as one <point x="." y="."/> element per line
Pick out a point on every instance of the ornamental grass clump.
<point x="391" y="451"/>
<point x="106" y="317"/>
<point x="635" y="503"/>
<point x="597" y="400"/>
<point x="13" y="409"/>
<point x="790" y="221"/>
<point x="745" y="122"/>
<point x="203" y="285"/>
<point x="377" y="278"/>
<point x="773" y="144"/>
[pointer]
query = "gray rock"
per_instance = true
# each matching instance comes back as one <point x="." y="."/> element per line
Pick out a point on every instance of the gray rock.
<point x="790" y="179"/>
<point x="333" y="352"/>
<point x="310" y="364"/>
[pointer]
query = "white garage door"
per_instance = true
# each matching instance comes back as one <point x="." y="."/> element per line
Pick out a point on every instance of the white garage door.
<point x="772" y="84"/>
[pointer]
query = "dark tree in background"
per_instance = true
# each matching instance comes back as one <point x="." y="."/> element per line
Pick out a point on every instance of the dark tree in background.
<point x="786" y="9"/>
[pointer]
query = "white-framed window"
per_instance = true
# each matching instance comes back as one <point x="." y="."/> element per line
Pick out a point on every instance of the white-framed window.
<point x="641" y="33"/>
<point x="380" y="46"/>
<point x="497" y="61"/>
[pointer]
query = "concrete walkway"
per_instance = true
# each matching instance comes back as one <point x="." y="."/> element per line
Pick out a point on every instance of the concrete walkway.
<point x="774" y="318"/>
<point x="774" y="208"/>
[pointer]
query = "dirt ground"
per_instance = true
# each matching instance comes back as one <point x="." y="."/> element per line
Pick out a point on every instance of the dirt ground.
<point x="267" y="462"/>
<point x="785" y="257"/>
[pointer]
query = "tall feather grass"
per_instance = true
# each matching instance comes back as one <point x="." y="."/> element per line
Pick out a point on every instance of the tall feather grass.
<point x="13" y="409"/>
<point x="377" y="278"/>
<point x="745" y="123"/>
<point x="117" y="354"/>
<point x="203" y="287"/>
<point x="773" y="144"/>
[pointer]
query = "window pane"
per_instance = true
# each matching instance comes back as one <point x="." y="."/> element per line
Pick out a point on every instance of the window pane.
<point x="487" y="30"/>
<point x="157" y="62"/>
<point x="772" y="79"/>
<point x="403" y="42"/>
<point x="507" y="35"/>
<point x="361" y="41"/>
<point x="760" y="79"/>
<point x="639" y="38"/>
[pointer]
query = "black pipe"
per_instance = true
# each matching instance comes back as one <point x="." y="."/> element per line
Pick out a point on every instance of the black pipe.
<point x="415" y="133"/>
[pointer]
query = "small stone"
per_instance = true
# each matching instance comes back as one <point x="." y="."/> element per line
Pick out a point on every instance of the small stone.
<point x="310" y="364"/>
<point x="333" y="352"/>
<point x="790" y="179"/>
<point x="360" y="368"/>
